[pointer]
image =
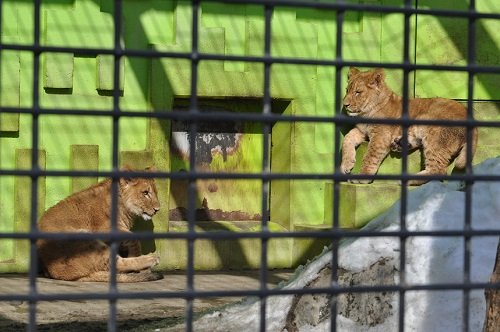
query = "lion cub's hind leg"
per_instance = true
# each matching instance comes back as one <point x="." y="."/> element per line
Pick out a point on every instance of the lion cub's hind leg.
<point x="72" y="260"/>
<point x="142" y="276"/>
<point x="436" y="162"/>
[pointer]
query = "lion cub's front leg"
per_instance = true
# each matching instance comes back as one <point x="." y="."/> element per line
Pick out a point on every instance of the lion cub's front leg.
<point x="130" y="248"/>
<point x="136" y="264"/>
<point x="351" y="141"/>
<point x="378" y="149"/>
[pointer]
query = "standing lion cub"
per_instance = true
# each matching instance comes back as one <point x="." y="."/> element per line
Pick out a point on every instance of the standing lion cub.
<point x="89" y="211"/>
<point x="368" y="96"/>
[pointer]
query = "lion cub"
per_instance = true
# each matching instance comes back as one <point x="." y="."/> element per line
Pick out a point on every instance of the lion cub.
<point x="89" y="211"/>
<point x="368" y="96"/>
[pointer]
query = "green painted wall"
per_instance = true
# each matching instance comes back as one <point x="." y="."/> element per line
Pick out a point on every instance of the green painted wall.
<point x="85" y="82"/>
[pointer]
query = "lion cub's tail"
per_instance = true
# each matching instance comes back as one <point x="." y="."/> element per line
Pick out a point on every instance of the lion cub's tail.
<point x="103" y="276"/>
<point x="461" y="160"/>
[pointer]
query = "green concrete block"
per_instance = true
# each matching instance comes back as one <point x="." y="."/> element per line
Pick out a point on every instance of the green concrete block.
<point x="234" y="29"/>
<point x="224" y="254"/>
<point x="10" y="85"/>
<point x="288" y="31"/>
<point x="360" y="203"/>
<point x="83" y="158"/>
<point x="212" y="40"/>
<point x="58" y="71"/>
<point x="281" y="145"/>
<point x="484" y="152"/>
<point x="443" y="40"/>
<point x="487" y="111"/>
<point x="183" y="15"/>
<point x="105" y="73"/>
<point x="137" y="159"/>
<point x="305" y="249"/>
<point x="82" y="25"/>
<point x="392" y="164"/>
<point x="9" y="123"/>
<point x="23" y="208"/>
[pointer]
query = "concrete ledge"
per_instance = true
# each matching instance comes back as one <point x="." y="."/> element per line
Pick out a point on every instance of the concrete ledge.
<point x="235" y="254"/>
<point x="360" y="203"/>
<point x="92" y="315"/>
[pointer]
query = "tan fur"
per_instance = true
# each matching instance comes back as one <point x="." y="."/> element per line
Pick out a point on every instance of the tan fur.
<point x="89" y="211"/>
<point x="368" y="96"/>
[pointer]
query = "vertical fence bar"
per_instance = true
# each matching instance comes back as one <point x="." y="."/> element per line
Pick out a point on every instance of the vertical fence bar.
<point x="266" y="131"/>
<point x="192" y="190"/>
<point x="117" y="52"/>
<point x="35" y="167"/>
<point x="340" y="15"/>
<point x="404" y="166"/>
<point x="471" y="62"/>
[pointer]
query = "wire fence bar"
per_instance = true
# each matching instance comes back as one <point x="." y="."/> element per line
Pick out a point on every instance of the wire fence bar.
<point x="153" y="54"/>
<point x="271" y="118"/>
<point x="117" y="58"/>
<point x="33" y="271"/>
<point x="219" y="235"/>
<point x="266" y="168"/>
<point x="471" y="60"/>
<point x="193" y="129"/>
<point x="266" y="118"/>
<point x="259" y="176"/>
<point x="250" y="293"/>
<point x="340" y="17"/>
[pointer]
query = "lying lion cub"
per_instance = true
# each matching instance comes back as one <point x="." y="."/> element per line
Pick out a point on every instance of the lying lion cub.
<point x="89" y="211"/>
<point x="368" y="96"/>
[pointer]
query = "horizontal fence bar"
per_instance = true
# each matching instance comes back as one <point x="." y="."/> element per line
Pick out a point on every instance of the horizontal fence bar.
<point x="228" y="235"/>
<point x="246" y="58"/>
<point x="339" y="119"/>
<point x="248" y="176"/>
<point x="334" y="289"/>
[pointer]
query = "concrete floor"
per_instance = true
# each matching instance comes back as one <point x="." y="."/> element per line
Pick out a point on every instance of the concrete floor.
<point x="133" y="315"/>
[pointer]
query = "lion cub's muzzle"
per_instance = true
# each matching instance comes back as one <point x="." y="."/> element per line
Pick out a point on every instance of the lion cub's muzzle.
<point x="148" y="215"/>
<point x="349" y="111"/>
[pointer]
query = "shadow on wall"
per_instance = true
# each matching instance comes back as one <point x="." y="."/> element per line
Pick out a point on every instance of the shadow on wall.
<point x="140" y="36"/>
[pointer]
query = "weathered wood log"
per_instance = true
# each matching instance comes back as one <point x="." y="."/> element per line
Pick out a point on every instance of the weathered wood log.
<point x="492" y="321"/>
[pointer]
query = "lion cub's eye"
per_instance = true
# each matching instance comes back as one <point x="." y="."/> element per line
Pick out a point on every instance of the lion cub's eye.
<point x="357" y="93"/>
<point x="145" y="193"/>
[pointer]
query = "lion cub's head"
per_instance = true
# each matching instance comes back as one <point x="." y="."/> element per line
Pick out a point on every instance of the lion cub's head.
<point x="363" y="91"/>
<point x="139" y="196"/>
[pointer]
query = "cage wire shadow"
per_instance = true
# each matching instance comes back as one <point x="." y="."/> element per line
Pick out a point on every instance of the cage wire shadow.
<point x="194" y="116"/>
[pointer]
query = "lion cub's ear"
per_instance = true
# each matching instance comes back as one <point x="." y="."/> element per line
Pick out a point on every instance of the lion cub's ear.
<point x="127" y="180"/>
<point x="126" y="168"/>
<point x="377" y="78"/>
<point x="352" y="71"/>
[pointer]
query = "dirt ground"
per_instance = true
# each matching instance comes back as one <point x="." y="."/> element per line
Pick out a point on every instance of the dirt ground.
<point x="132" y="315"/>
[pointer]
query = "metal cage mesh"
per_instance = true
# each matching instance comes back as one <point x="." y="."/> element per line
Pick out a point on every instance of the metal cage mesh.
<point x="193" y="116"/>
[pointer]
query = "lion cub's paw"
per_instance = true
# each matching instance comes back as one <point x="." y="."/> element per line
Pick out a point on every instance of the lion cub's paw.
<point x="396" y="145"/>
<point x="153" y="260"/>
<point x="347" y="165"/>
<point x="360" y="181"/>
